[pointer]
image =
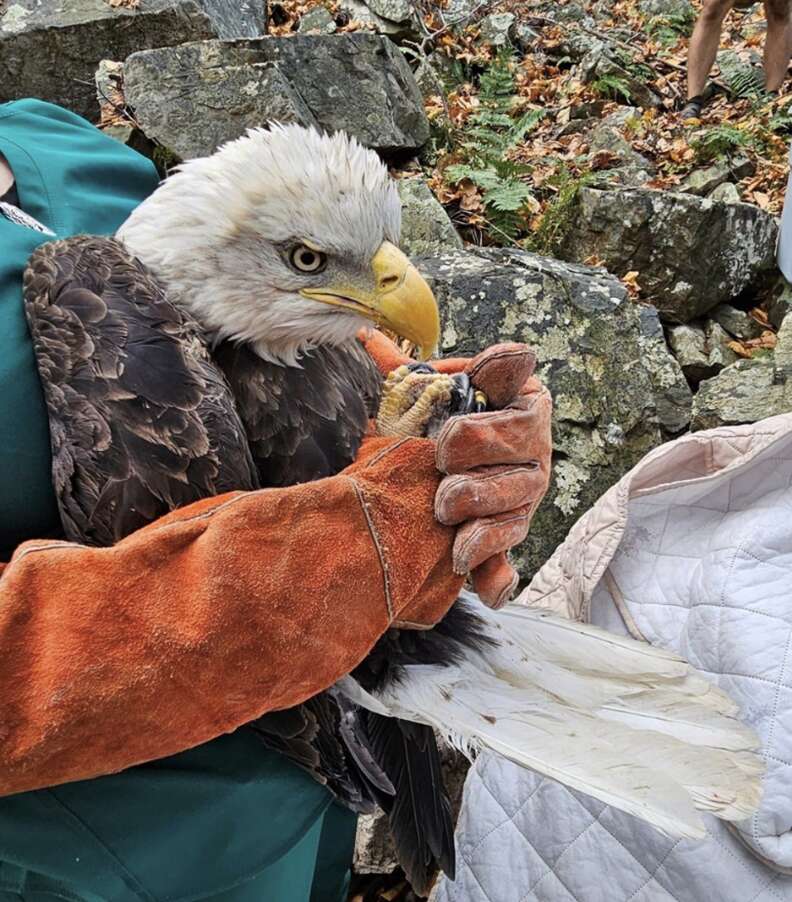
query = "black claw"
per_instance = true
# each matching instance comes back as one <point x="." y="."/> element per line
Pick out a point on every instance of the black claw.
<point x="420" y="368"/>
<point x="462" y="396"/>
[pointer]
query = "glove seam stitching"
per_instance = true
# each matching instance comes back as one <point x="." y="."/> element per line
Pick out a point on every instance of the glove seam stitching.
<point x="386" y="450"/>
<point x="378" y="545"/>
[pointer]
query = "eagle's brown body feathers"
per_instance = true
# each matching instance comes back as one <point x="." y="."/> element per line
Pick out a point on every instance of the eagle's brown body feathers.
<point x="145" y="418"/>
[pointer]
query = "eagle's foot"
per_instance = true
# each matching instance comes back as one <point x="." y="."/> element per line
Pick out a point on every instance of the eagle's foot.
<point x="415" y="402"/>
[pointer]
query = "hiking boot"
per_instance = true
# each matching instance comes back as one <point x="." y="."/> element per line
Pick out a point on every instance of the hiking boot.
<point x="693" y="107"/>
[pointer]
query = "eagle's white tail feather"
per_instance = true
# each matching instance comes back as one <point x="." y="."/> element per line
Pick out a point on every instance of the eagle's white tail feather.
<point x="618" y="719"/>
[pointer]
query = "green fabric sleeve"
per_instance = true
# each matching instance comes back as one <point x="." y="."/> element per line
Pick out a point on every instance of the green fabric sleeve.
<point x="228" y="818"/>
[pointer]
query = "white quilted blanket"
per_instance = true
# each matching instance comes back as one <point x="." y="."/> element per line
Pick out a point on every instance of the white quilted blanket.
<point x="693" y="551"/>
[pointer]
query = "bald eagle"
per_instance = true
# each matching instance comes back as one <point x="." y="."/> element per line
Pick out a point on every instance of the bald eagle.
<point x="212" y="346"/>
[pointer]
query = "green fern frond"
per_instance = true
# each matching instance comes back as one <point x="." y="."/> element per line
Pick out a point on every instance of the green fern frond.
<point x="719" y="141"/>
<point x="508" y="197"/>
<point x="613" y="87"/>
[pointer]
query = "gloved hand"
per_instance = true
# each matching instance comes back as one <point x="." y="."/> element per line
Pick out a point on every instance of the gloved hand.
<point x="212" y="615"/>
<point x="498" y="462"/>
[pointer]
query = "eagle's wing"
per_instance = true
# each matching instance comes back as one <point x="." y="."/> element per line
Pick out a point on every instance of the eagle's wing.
<point x="305" y="422"/>
<point x="141" y="420"/>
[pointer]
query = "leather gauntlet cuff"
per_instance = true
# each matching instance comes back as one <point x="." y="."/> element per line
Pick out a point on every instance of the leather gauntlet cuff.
<point x="213" y="615"/>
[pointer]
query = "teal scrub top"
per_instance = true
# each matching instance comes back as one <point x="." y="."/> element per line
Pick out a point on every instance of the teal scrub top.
<point x="188" y="827"/>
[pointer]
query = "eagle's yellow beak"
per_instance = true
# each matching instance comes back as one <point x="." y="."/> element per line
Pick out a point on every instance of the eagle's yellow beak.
<point x="401" y="300"/>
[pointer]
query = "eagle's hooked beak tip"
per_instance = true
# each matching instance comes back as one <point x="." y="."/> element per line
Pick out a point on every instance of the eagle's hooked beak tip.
<point x="404" y="300"/>
<point x="401" y="300"/>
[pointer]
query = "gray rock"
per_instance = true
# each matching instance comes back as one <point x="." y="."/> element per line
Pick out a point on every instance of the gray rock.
<point x="744" y="392"/>
<point x="666" y="8"/>
<point x="426" y="228"/>
<point x="223" y="101"/>
<point x="318" y="20"/>
<point x="727" y="193"/>
<point x="360" y="12"/>
<point x="702" y="352"/>
<point x="495" y="28"/>
<point x="782" y="356"/>
<point x="393" y="10"/>
<point x="673" y="398"/>
<point x="689" y="345"/>
<point x="50" y="49"/>
<point x="598" y="63"/>
<point x="621" y="116"/>
<point x="194" y="97"/>
<point x="374" y="849"/>
<point x="576" y="127"/>
<point x="704" y="181"/>
<point x="691" y="253"/>
<point x="524" y="37"/>
<point x="109" y="96"/>
<point x="720" y="354"/>
<point x="780" y="302"/>
<point x="580" y="45"/>
<point x="569" y="12"/>
<point x="708" y="180"/>
<point x="591" y="110"/>
<point x="736" y="322"/>
<point x="633" y="168"/>
<point x="458" y="13"/>
<point x="617" y="393"/>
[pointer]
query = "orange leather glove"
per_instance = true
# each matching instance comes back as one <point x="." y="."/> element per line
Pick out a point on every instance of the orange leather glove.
<point x="498" y="462"/>
<point x="212" y="615"/>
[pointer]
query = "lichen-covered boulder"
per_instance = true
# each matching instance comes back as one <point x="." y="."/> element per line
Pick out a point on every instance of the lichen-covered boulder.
<point x="744" y="392"/>
<point x="426" y="228"/>
<point x="50" y="50"/>
<point x="397" y="29"/>
<point x="617" y="391"/>
<point x="193" y="97"/>
<point x="736" y="322"/>
<point x="224" y="99"/>
<point x="318" y="20"/>
<point x="691" y="253"/>
<point x="701" y="350"/>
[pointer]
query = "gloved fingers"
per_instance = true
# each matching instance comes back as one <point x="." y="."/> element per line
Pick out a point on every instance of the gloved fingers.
<point x="479" y="539"/>
<point x="495" y="581"/>
<point x="450" y="365"/>
<point x="486" y="491"/>
<point x="495" y="437"/>
<point x="501" y="372"/>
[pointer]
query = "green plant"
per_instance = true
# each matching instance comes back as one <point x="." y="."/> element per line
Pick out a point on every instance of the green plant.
<point x="719" y="141"/>
<point x="781" y="121"/>
<point x="671" y="26"/>
<point x="492" y="133"/>
<point x="613" y="87"/>
<point x="744" y="80"/>
<point x="557" y="216"/>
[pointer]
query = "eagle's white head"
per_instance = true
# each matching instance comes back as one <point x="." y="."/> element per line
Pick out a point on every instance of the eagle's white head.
<point x="286" y="239"/>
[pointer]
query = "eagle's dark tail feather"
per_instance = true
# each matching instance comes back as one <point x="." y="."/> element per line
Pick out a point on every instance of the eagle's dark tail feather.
<point x="419" y="812"/>
<point x="368" y="760"/>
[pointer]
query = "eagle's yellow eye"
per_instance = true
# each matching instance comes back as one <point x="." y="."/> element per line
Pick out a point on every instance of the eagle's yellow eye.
<point x="306" y="259"/>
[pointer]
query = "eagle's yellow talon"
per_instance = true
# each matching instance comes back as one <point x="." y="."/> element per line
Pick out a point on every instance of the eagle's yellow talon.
<point x="411" y="401"/>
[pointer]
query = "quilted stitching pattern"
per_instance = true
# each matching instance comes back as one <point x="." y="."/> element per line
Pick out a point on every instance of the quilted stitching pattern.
<point x="704" y="570"/>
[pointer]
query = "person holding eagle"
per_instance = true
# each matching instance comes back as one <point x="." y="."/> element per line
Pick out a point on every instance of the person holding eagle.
<point x="238" y="522"/>
<point x="213" y="615"/>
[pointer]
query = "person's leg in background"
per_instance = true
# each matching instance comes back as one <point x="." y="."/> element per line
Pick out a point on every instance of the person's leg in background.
<point x="778" y="44"/>
<point x="703" y="50"/>
<point x="334" y="857"/>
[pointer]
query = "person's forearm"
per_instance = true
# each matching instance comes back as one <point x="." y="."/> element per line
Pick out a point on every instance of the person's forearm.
<point x="211" y="616"/>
